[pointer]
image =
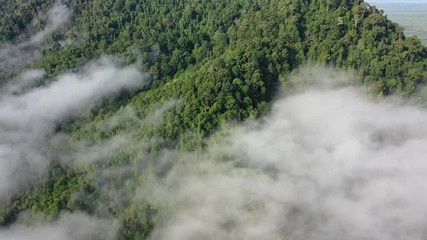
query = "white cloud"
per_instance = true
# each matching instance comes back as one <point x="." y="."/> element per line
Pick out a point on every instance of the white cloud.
<point x="27" y="120"/>
<point x="25" y="81"/>
<point x="325" y="164"/>
<point x="76" y="226"/>
<point x="57" y="19"/>
<point x="14" y="56"/>
<point x="328" y="162"/>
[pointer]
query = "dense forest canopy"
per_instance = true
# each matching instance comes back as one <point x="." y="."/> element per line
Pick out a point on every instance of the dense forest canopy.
<point x="209" y="63"/>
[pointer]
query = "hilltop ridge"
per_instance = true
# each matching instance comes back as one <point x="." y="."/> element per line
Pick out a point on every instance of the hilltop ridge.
<point x="210" y="63"/>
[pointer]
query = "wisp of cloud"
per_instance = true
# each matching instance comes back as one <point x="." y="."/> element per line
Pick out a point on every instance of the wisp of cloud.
<point x="76" y="226"/>
<point x="28" y="119"/>
<point x="14" y="56"/>
<point x="328" y="162"/>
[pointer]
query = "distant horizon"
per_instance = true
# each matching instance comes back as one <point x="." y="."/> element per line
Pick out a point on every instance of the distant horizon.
<point x="410" y="14"/>
<point x="395" y="1"/>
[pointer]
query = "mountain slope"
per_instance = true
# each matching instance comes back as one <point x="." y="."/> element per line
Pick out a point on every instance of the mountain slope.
<point x="211" y="62"/>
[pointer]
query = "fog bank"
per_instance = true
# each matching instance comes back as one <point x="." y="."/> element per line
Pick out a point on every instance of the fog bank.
<point x="329" y="162"/>
<point x="28" y="119"/>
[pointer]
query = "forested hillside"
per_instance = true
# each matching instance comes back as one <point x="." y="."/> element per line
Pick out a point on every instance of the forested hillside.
<point x="210" y="63"/>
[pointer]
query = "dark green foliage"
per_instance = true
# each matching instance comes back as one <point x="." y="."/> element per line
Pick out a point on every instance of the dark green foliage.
<point x="216" y="61"/>
<point x="16" y="17"/>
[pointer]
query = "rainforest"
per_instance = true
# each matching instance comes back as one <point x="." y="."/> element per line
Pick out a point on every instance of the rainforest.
<point x="194" y="119"/>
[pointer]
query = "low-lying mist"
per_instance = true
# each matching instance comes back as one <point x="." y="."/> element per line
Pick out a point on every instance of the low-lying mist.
<point x="328" y="162"/>
<point x="14" y="56"/>
<point x="28" y="118"/>
<point x="75" y="226"/>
